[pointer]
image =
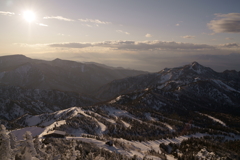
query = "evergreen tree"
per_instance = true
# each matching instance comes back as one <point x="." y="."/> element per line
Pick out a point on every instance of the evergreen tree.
<point x="28" y="150"/>
<point x="5" y="148"/>
<point x="40" y="152"/>
<point x="13" y="140"/>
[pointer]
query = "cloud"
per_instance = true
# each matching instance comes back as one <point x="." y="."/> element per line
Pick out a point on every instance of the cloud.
<point x="59" y="18"/>
<point x="188" y="37"/>
<point x="71" y="45"/>
<point x="41" y="24"/>
<point x="229" y="23"/>
<point x="178" y="24"/>
<point x="94" y="21"/>
<point x="61" y="34"/>
<point x="142" y="55"/>
<point x="229" y="38"/>
<point x="37" y="45"/>
<point x="138" y="45"/>
<point x="6" y="13"/>
<point x="230" y="45"/>
<point x="88" y="25"/>
<point x="120" y="31"/>
<point x="148" y="35"/>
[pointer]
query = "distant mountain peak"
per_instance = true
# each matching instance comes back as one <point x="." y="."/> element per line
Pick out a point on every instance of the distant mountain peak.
<point x="198" y="68"/>
<point x="195" y="63"/>
<point x="57" y="59"/>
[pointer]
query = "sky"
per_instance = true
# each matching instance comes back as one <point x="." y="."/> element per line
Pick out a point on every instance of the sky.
<point x="144" y="35"/>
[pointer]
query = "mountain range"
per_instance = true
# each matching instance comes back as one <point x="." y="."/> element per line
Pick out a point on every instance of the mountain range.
<point x="102" y="103"/>
<point x="63" y="75"/>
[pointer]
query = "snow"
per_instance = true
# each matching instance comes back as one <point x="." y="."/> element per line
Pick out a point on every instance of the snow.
<point x="50" y="128"/>
<point x="117" y="112"/>
<point x="165" y="78"/>
<point x="127" y="125"/>
<point x="204" y="154"/>
<point x="133" y="150"/>
<point x="199" y="69"/>
<point x="101" y="144"/>
<point x="47" y="123"/>
<point x="57" y="132"/>
<point x="155" y="144"/>
<point x="170" y="157"/>
<point x="23" y="69"/>
<point x="34" y="130"/>
<point x="169" y="127"/>
<point x="115" y="100"/>
<point x="137" y="148"/>
<point x="153" y="157"/>
<point x="107" y="119"/>
<point x="214" y="119"/>
<point x="221" y="84"/>
<point x="56" y="119"/>
<point x="148" y="116"/>
<point x="102" y="128"/>
<point x="78" y="110"/>
<point x="75" y="111"/>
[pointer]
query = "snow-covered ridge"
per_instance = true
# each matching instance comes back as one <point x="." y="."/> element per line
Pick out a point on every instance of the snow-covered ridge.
<point x="58" y="118"/>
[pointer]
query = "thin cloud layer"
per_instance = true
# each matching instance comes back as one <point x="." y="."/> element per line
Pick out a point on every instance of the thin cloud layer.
<point x="188" y="37"/>
<point x="230" y="45"/>
<point x="6" y="13"/>
<point x="71" y="45"/>
<point x="137" y="45"/>
<point x="59" y="18"/>
<point x="148" y="35"/>
<point x="41" y="24"/>
<point x="97" y="21"/>
<point x="120" y="31"/>
<point x="229" y="23"/>
<point x="229" y="38"/>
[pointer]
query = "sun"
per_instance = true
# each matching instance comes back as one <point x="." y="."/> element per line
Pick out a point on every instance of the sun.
<point x="29" y="16"/>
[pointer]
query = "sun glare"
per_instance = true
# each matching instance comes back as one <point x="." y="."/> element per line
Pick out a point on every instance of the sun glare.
<point x="29" y="16"/>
